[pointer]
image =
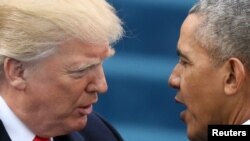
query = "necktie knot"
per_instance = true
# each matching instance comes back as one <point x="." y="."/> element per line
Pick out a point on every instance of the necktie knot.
<point x="41" y="139"/>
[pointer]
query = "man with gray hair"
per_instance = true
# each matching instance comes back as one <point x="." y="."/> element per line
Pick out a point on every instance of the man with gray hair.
<point x="213" y="73"/>
<point x="51" y="56"/>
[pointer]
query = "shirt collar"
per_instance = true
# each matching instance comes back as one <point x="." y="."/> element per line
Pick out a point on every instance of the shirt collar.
<point x="247" y="122"/>
<point x="14" y="127"/>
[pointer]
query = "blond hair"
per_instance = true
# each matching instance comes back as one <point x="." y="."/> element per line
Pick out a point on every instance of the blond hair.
<point x="31" y="28"/>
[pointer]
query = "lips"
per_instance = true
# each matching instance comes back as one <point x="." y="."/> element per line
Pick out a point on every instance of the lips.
<point x="183" y="113"/>
<point x="177" y="100"/>
<point x="85" y="110"/>
<point x="88" y="109"/>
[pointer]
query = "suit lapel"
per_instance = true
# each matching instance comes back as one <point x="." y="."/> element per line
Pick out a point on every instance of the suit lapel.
<point x="3" y="133"/>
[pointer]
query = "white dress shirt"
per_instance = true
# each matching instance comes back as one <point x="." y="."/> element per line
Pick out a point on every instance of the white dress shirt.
<point x="14" y="127"/>
<point x="247" y="122"/>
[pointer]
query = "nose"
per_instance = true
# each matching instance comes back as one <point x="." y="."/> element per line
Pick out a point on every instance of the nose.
<point x="98" y="83"/>
<point x="102" y="86"/>
<point x="174" y="79"/>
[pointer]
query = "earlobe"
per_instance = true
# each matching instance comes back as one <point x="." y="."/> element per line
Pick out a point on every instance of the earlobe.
<point x="14" y="70"/>
<point x="235" y="76"/>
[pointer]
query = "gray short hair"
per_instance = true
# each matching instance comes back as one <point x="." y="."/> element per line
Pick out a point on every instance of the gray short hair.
<point x="30" y="29"/>
<point x="225" y="29"/>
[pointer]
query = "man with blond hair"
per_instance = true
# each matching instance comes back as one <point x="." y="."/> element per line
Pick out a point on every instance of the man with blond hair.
<point x="51" y="55"/>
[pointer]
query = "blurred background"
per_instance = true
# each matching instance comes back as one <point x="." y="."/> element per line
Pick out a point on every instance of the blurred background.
<point x="139" y="103"/>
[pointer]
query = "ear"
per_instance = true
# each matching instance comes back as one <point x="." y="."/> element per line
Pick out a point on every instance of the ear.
<point x="14" y="70"/>
<point x="235" y="76"/>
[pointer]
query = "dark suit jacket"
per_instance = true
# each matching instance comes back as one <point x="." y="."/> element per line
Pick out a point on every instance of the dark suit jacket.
<point x="97" y="129"/>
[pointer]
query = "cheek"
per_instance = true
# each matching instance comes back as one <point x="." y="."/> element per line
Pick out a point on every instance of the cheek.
<point x="60" y="95"/>
<point x="69" y="93"/>
<point x="196" y="92"/>
<point x="196" y="82"/>
<point x="202" y="103"/>
<point x="73" y="92"/>
<point x="74" y="89"/>
<point x="69" y="86"/>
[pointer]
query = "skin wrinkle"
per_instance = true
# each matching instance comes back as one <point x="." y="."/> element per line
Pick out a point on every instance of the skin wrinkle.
<point x="52" y="62"/>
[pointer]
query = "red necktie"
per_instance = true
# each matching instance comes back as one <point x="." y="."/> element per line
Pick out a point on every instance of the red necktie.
<point x="41" y="139"/>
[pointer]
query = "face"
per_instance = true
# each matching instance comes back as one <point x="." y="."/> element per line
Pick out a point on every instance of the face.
<point x="61" y="89"/>
<point x="199" y="83"/>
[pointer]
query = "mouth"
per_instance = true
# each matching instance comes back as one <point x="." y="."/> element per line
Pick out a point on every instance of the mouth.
<point x="183" y="113"/>
<point x="85" y="110"/>
<point x="177" y="100"/>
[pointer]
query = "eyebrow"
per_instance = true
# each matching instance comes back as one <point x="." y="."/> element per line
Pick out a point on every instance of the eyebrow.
<point x="180" y="54"/>
<point x="112" y="52"/>
<point x="86" y="66"/>
<point x="94" y="62"/>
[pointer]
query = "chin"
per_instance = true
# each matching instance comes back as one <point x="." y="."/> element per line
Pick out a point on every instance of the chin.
<point x="196" y="134"/>
<point x="80" y="123"/>
<point x="75" y="124"/>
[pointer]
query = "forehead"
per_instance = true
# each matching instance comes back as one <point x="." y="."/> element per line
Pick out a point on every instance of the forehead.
<point x="78" y="48"/>
<point x="191" y="23"/>
<point x="76" y="53"/>
<point x="189" y="45"/>
<point x="187" y="39"/>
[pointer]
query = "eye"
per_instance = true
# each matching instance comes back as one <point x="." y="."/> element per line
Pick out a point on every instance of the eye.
<point x="78" y="73"/>
<point x="183" y="62"/>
